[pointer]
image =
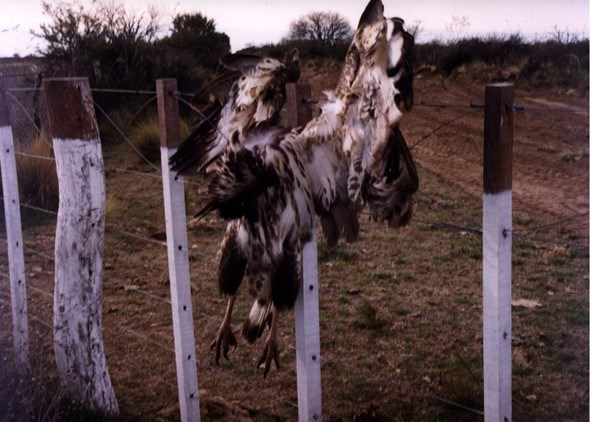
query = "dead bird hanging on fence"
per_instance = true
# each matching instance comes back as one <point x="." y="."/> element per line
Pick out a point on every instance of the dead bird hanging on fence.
<point x="271" y="182"/>
<point x="247" y="97"/>
<point x="378" y="81"/>
<point x="249" y="93"/>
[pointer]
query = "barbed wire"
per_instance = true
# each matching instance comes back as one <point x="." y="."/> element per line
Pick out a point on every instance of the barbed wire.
<point x="124" y="136"/>
<point x="559" y="222"/>
<point x="413" y="313"/>
<point x="338" y="364"/>
<point x="124" y="91"/>
<point x="135" y="172"/>
<point x="418" y="392"/>
<point x="440" y="224"/>
<point x="442" y="126"/>
<point x="23" y="108"/>
<point x="516" y="107"/>
<point x="391" y="381"/>
<point x="159" y="344"/>
<point x="449" y="105"/>
<point x="39" y="157"/>
<point x="557" y="126"/>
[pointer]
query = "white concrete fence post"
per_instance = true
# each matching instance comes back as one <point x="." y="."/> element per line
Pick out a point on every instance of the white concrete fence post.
<point x="178" y="253"/>
<point x="306" y="309"/>
<point x="497" y="240"/>
<point x="14" y="238"/>
<point x="79" y="242"/>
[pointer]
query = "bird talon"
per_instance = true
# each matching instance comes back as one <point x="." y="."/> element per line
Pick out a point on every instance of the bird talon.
<point x="223" y="341"/>
<point x="270" y="354"/>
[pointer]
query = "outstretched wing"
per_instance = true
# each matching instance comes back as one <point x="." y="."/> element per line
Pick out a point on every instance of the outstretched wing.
<point x="250" y="94"/>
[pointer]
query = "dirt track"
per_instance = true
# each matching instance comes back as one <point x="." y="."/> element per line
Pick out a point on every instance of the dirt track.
<point x="550" y="167"/>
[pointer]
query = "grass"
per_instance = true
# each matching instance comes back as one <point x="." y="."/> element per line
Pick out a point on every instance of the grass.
<point x="387" y="306"/>
<point x="367" y="318"/>
<point x="37" y="396"/>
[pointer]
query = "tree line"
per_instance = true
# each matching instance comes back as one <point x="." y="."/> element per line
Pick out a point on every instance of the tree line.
<point x="119" y="49"/>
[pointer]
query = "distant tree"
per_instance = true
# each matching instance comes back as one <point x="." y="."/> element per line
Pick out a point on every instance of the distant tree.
<point x="457" y="27"/>
<point x="193" y="49"/>
<point x="563" y="36"/>
<point x="415" y="28"/>
<point x="114" y="48"/>
<point x="327" y="28"/>
<point x="194" y="25"/>
<point x="195" y="35"/>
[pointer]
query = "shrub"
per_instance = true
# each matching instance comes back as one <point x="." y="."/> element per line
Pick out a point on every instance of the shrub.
<point x="145" y="136"/>
<point x="37" y="175"/>
<point x="552" y="62"/>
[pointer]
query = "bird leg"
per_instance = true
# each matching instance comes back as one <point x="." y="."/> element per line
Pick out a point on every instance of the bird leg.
<point x="271" y="351"/>
<point x="224" y="338"/>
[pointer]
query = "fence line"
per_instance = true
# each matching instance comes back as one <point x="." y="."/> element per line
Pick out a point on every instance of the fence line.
<point x="31" y="119"/>
<point x="417" y="392"/>
<point x="442" y="126"/>
<point x="558" y="126"/>
<point x="125" y="137"/>
<point x="436" y="223"/>
<point x="413" y="312"/>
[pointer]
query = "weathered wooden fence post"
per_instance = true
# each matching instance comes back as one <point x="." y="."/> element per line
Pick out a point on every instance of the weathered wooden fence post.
<point x="497" y="209"/>
<point x="306" y="309"/>
<point x="298" y="114"/>
<point x="14" y="237"/>
<point x="178" y="253"/>
<point x="79" y="242"/>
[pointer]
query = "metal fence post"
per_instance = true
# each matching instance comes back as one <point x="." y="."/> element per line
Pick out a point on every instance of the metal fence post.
<point x="306" y="309"/>
<point x="178" y="253"/>
<point x="497" y="221"/>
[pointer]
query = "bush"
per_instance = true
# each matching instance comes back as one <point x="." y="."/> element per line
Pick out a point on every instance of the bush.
<point x="551" y="62"/>
<point x="145" y="136"/>
<point x="37" y="176"/>
<point x="308" y="49"/>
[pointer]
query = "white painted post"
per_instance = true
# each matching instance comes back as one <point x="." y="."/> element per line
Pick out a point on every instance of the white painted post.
<point x="497" y="222"/>
<point x="79" y="242"/>
<point x="307" y="332"/>
<point x="14" y="236"/>
<point x="178" y="254"/>
<point x="306" y="308"/>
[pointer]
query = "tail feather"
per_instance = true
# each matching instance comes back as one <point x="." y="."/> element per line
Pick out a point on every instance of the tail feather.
<point x="390" y="196"/>
<point x="341" y="218"/>
<point x="198" y="150"/>
<point x="287" y="274"/>
<point x="259" y="316"/>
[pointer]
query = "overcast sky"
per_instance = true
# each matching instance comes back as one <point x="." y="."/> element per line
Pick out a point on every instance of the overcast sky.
<point x="262" y="21"/>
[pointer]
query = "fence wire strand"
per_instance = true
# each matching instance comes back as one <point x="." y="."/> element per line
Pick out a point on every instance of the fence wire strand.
<point x="437" y="224"/>
<point x="24" y="109"/>
<point x="563" y="128"/>
<point x="131" y="144"/>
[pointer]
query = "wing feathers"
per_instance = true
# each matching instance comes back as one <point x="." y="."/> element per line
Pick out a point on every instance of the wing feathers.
<point x="390" y="196"/>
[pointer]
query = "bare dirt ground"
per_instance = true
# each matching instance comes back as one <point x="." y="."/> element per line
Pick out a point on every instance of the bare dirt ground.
<point x="401" y="335"/>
